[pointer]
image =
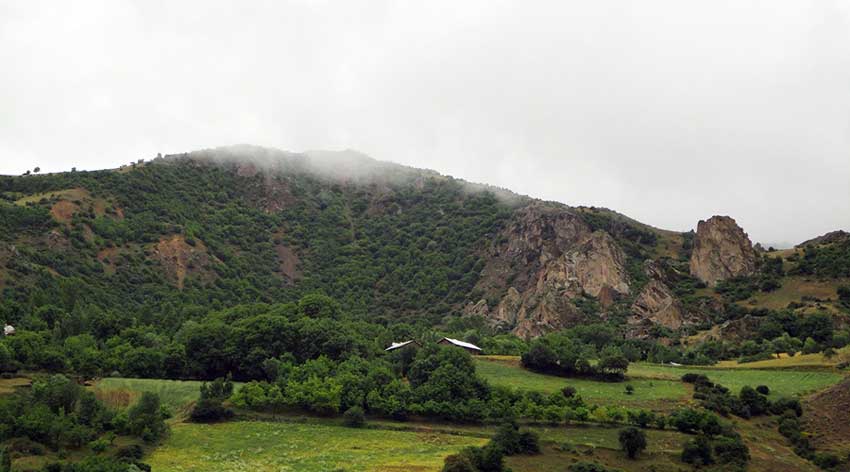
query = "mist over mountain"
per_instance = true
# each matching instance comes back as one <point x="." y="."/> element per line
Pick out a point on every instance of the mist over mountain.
<point x="393" y="243"/>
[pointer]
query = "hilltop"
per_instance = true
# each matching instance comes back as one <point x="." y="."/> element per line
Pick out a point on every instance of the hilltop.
<point x="165" y="240"/>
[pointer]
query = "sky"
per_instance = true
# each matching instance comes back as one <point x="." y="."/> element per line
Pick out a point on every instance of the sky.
<point x="669" y="111"/>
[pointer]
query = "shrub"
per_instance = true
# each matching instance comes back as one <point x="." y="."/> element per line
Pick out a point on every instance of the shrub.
<point x="731" y="451"/>
<point x="354" y="417"/>
<point x="569" y="391"/>
<point x="511" y="441"/>
<point x="763" y="389"/>
<point x="209" y="410"/>
<point x="632" y="441"/>
<point x="99" y="445"/>
<point x="630" y="389"/>
<point x="132" y="452"/>
<point x="693" y="378"/>
<point x="588" y="467"/>
<point x="209" y="407"/>
<point x="458" y="463"/>
<point x="697" y="451"/>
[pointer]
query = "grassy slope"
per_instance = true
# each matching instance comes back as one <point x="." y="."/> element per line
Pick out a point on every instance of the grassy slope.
<point x="793" y="290"/>
<point x="799" y="361"/>
<point x="289" y="443"/>
<point x="508" y="373"/>
<point x="265" y="446"/>
<point x="653" y="381"/>
<point x="175" y="394"/>
<point x="785" y="382"/>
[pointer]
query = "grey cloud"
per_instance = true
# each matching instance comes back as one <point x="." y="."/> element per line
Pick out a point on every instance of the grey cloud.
<point x="667" y="111"/>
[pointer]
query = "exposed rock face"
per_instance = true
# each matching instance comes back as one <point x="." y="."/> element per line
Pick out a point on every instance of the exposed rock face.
<point x="546" y="258"/>
<point x="722" y="250"/>
<point x="180" y="259"/>
<point x="655" y="304"/>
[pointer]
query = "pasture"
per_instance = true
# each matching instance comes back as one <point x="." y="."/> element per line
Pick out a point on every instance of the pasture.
<point x="275" y="446"/>
<point x="507" y="372"/>
<point x="175" y="394"/>
<point x="781" y="382"/>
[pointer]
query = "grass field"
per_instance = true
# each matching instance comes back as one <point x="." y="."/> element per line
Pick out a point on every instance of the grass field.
<point x="175" y="394"/>
<point x="269" y="446"/>
<point x="506" y="371"/>
<point x="793" y="290"/>
<point x="781" y="382"/>
<point x="654" y="382"/>
<point x="799" y="361"/>
<point x="10" y="385"/>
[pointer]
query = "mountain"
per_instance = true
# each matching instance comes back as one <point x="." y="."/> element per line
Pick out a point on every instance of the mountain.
<point x="164" y="241"/>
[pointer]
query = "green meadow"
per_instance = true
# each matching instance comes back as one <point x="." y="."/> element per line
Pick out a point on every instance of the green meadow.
<point x="508" y="373"/>
<point x="275" y="446"/>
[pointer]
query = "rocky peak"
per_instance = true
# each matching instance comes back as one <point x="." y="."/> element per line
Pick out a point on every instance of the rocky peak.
<point x="544" y="259"/>
<point x="721" y="250"/>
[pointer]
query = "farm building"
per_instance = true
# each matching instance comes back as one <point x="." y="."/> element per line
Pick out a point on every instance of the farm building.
<point x="8" y="330"/>
<point x="400" y="345"/>
<point x="472" y="348"/>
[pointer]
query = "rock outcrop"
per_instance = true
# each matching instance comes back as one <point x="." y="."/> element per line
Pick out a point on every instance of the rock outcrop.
<point x="656" y="304"/>
<point x="545" y="259"/>
<point x="722" y="250"/>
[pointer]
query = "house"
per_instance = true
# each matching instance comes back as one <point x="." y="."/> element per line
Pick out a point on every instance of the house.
<point x="472" y="348"/>
<point x="400" y="345"/>
<point x="8" y="330"/>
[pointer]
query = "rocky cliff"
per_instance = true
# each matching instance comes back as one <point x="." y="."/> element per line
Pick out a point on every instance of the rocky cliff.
<point x="541" y="264"/>
<point x="657" y="305"/>
<point x="721" y="250"/>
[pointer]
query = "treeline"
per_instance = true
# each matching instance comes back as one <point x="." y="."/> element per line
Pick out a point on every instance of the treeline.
<point x="59" y="414"/>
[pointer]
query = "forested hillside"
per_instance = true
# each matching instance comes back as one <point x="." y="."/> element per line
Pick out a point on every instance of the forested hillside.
<point x="161" y="242"/>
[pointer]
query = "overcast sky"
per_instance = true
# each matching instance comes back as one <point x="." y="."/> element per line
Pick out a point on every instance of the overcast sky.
<point x="667" y="111"/>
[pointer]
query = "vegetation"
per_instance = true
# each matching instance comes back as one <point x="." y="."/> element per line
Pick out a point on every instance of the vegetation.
<point x="233" y="446"/>
<point x="633" y="441"/>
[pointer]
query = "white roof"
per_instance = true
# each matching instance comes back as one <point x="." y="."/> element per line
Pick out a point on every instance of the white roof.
<point x="394" y="346"/>
<point x="463" y="344"/>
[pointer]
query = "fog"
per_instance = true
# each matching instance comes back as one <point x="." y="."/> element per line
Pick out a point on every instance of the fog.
<point x="667" y="111"/>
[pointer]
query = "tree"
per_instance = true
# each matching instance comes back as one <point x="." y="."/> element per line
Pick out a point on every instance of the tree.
<point x="146" y="419"/>
<point x="613" y="362"/>
<point x="632" y="441"/>
<point x="209" y="407"/>
<point x="810" y="346"/>
<point x="697" y="451"/>
<point x="36" y="170"/>
<point x="458" y="463"/>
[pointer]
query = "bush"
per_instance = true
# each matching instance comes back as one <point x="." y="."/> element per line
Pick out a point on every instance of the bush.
<point x="99" y="445"/>
<point x="588" y="467"/>
<point x="512" y="441"/>
<point x="569" y="392"/>
<point x="354" y="417"/>
<point x="209" y="410"/>
<point x="697" y="451"/>
<point x="693" y="378"/>
<point x="630" y="389"/>
<point x="132" y="452"/>
<point x="763" y="389"/>
<point x="731" y="451"/>
<point x="458" y="463"/>
<point x="632" y="441"/>
<point x="210" y="405"/>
